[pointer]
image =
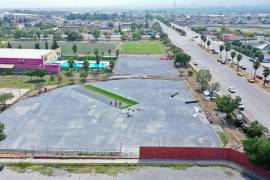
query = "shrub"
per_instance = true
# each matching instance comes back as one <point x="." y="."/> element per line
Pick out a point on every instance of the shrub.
<point x="190" y="72"/>
<point x="258" y="151"/>
<point x="254" y="130"/>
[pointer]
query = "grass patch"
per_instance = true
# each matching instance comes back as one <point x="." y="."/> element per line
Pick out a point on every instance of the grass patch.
<point x="83" y="47"/>
<point x="48" y="169"/>
<point x="28" y="167"/>
<point x="25" y="82"/>
<point x="103" y="92"/>
<point x="224" y="138"/>
<point x="108" y="169"/>
<point x="143" y="47"/>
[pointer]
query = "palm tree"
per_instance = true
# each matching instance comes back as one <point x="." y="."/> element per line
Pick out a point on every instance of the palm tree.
<point x="96" y="52"/>
<point x="227" y="49"/>
<point x="266" y="73"/>
<point x="233" y="54"/>
<point x="71" y="64"/>
<point x="239" y="58"/>
<point x="208" y="43"/>
<point x="4" y="97"/>
<point x="86" y="65"/>
<point x="256" y="65"/>
<point x="98" y="59"/>
<point x="110" y="52"/>
<point x="117" y="52"/>
<point x="102" y="54"/>
<point x="221" y="48"/>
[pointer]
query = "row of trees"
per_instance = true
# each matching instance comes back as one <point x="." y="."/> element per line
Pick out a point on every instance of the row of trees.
<point x="37" y="45"/>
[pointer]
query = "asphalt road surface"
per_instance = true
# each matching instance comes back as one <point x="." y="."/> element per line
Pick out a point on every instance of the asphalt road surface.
<point x="255" y="99"/>
<point x="151" y="173"/>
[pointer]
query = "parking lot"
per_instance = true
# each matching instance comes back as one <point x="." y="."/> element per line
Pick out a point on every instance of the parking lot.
<point x="66" y="119"/>
<point x="150" y="65"/>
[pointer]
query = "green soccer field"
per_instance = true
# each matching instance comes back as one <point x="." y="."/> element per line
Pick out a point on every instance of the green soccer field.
<point x="83" y="46"/>
<point x="143" y="47"/>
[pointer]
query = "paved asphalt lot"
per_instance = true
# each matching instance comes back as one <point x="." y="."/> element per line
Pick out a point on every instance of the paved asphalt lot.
<point x="255" y="99"/>
<point x="144" y="65"/>
<point x="68" y="119"/>
<point x="151" y="173"/>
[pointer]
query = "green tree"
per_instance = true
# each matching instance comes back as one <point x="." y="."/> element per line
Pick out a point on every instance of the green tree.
<point x="221" y="49"/>
<point x="136" y="36"/>
<point x="2" y="133"/>
<point x="111" y="64"/>
<point x="255" y="129"/>
<point x="266" y="73"/>
<point x="233" y="55"/>
<point x="73" y="36"/>
<point x="117" y="52"/>
<point x="74" y="48"/>
<point x="55" y="44"/>
<point x="119" y="28"/>
<point x="204" y="77"/>
<point x="258" y="151"/>
<point x="227" y="49"/>
<point x="96" y="33"/>
<point x="4" y="97"/>
<point x="46" y="45"/>
<point x="40" y="73"/>
<point x="9" y="45"/>
<point x="20" y="46"/>
<point x="239" y="58"/>
<point x="96" y="52"/>
<point x="227" y="104"/>
<point x="110" y="52"/>
<point x="213" y="88"/>
<point x="208" y="44"/>
<point x="71" y="64"/>
<point x="256" y="65"/>
<point x="98" y="58"/>
<point x="86" y="65"/>
<point x="37" y="45"/>
<point x="102" y="54"/>
<point x="181" y="58"/>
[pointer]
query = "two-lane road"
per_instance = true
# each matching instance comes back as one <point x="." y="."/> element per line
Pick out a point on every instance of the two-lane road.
<point x="255" y="99"/>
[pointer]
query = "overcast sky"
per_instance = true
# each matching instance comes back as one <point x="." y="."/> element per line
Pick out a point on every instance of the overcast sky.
<point x="128" y="3"/>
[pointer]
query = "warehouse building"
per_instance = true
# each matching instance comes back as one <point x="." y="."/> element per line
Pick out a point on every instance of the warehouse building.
<point x="23" y="60"/>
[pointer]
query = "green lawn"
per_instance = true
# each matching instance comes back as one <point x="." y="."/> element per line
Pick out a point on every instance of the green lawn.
<point x="103" y="92"/>
<point x="25" y="82"/>
<point x="143" y="47"/>
<point x="83" y="47"/>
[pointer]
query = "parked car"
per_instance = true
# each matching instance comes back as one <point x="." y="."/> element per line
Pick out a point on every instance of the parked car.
<point x="229" y="60"/>
<point x="214" y="51"/>
<point x="241" y="107"/>
<point x="243" y="67"/>
<point x="195" y="63"/>
<point x="259" y="77"/>
<point x="223" y="62"/>
<point x="1" y="167"/>
<point x="231" y="90"/>
<point x="251" y="60"/>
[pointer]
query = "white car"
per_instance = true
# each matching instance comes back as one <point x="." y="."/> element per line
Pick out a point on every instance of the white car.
<point x="241" y="107"/>
<point x="195" y="63"/>
<point x="231" y="90"/>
